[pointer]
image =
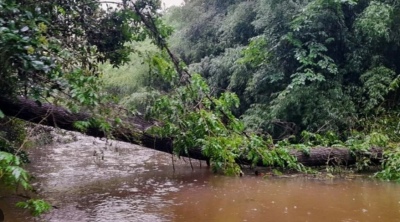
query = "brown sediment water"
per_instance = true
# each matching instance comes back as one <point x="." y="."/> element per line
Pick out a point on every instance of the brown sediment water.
<point x="89" y="180"/>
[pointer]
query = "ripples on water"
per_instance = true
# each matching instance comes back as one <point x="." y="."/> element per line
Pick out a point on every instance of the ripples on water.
<point x="136" y="184"/>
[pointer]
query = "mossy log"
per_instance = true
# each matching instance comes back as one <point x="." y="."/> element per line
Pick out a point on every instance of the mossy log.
<point x="134" y="131"/>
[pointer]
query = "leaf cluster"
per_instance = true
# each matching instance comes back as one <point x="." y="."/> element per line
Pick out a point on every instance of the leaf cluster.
<point x="194" y="119"/>
<point x="35" y="206"/>
<point x="11" y="172"/>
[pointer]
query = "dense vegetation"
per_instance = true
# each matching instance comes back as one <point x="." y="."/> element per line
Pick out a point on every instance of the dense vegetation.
<point x="253" y="79"/>
<point x="49" y="52"/>
<point x="296" y="65"/>
<point x="325" y="68"/>
<point x="309" y="72"/>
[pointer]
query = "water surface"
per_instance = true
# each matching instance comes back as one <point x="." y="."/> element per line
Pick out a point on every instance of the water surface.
<point x="91" y="180"/>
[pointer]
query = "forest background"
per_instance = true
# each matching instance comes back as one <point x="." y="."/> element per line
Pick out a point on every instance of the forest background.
<point x="308" y="72"/>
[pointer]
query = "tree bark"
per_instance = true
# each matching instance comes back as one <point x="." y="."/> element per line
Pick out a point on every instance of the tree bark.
<point x="134" y="131"/>
<point x="320" y="156"/>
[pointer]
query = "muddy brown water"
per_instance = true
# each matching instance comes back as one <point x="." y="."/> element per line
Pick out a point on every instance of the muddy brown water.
<point x="132" y="183"/>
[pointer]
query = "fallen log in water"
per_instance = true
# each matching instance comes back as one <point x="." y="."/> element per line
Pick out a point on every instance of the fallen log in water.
<point x="319" y="156"/>
<point x="134" y="131"/>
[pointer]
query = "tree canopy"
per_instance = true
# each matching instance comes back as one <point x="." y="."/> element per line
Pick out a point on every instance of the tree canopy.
<point x="51" y="49"/>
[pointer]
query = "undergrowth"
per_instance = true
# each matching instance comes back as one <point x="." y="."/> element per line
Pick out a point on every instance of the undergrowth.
<point x="14" y="139"/>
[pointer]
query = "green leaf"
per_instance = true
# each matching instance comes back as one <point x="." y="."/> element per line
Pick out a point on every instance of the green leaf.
<point x="37" y="64"/>
<point x="15" y="171"/>
<point x="7" y="157"/>
<point x="35" y="206"/>
<point x="118" y="120"/>
<point x="1" y="114"/>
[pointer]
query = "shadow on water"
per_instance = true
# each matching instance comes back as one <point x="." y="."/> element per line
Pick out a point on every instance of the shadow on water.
<point x="89" y="180"/>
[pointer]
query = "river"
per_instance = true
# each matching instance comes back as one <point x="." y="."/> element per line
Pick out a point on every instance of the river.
<point x="87" y="179"/>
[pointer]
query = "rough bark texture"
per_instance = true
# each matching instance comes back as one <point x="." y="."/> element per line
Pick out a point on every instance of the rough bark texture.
<point x="320" y="156"/>
<point x="50" y="115"/>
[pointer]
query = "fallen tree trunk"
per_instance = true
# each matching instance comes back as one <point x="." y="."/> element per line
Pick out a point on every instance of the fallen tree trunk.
<point x="320" y="156"/>
<point x="134" y="131"/>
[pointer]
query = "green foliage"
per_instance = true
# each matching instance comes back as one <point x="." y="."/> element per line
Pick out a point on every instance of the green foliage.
<point x="387" y="124"/>
<point x="136" y="84"/>
<point x="223" y="73"/>
<point x="115" y="30"/>
<point x="12" y="156"/>
<point x="163" y="68"/>
<point x="377" y="139"/>
<point x="13" y="135"/>
<point x="375" y="21"/>
<point x="380" y="131"/>
<point x="187" y="117"/>
<point x="196" y="120"/>
<point x="235" y="28"/>
<point x="207" y="27"/>
<point x="50" y="51"/>
<point x="129" y="77"/>
<point x="360" y="145"/>
<point x="315" y="65"/>
<point x="11" y="172"/>
<point x="13" y="130"/>
<point x="254" y="54"/>
<point x="35" y="206"/>
<point x="24" y="46"/>
<point x="376" y="85"/>
<point x="390" y="165"/>
<point x="82" y="126"/>
<point x="95" y="123"/>
<point x="327" y="139"/>
<point x="83" y="87"/>
<point x="140" y="100"/>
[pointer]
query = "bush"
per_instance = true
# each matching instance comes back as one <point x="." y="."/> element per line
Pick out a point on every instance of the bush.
<point x="12" y="136"/>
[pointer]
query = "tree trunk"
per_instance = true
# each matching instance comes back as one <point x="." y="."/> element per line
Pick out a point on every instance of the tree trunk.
<point x="320" y="156"/>
<point x="134" y="129"/>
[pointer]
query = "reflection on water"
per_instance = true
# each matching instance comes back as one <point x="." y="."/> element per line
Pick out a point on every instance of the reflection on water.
<point x="136" y="184"/>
